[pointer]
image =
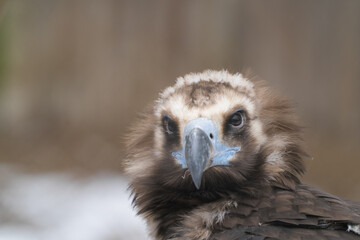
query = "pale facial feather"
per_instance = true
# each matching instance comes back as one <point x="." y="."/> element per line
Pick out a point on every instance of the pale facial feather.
<point x="175" y="104"/>
<point x="235" y="80"/>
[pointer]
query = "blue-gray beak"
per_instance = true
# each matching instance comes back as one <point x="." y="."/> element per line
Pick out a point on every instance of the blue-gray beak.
<point x="202" y="149"/>
<point x="198" y="149"/>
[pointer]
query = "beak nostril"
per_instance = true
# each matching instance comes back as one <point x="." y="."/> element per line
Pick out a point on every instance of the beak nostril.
<point x="211" y="135"/>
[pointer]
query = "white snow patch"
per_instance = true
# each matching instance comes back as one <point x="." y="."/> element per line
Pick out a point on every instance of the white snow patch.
<point x="354" y="228"/>
<point x="62" y="207"/>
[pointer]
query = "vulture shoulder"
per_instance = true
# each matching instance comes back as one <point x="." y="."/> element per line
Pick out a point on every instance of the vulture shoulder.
<point x="302" y="213"/>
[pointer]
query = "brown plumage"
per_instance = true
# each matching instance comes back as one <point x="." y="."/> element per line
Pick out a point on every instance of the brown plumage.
<point x="220" y="157"/>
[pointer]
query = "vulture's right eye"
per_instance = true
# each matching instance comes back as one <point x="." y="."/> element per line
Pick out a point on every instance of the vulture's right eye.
<point x="169" y="124"/>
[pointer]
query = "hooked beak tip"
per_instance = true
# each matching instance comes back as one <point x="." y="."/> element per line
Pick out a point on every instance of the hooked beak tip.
<point x="197" y="181"/>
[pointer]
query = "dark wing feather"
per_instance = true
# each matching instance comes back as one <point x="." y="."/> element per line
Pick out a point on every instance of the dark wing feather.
<point x="301" y="213"/>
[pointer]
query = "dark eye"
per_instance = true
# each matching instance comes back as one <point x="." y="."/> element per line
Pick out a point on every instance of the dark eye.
<point x="169" y="124"/>
<point x="237" y="119"/>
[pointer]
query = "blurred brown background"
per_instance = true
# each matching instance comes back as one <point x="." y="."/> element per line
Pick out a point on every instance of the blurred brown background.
<point x="74" y="74"/>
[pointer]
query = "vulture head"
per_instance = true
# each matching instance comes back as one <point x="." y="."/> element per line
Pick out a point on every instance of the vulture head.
<point x="215" y="130"/>
<point x="211" y="134"/>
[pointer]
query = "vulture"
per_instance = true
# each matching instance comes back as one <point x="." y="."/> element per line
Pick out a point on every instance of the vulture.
<point x="220" y="156"/>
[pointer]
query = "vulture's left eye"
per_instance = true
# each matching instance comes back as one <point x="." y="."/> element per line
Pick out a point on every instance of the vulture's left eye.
<point x="237" y="119"/>
<point x="169" y="124"/>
